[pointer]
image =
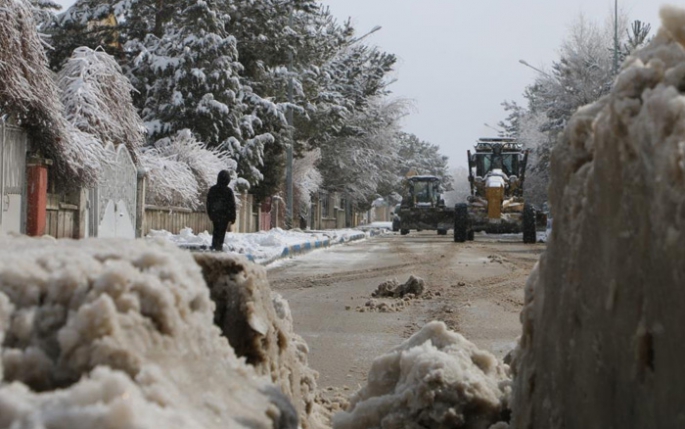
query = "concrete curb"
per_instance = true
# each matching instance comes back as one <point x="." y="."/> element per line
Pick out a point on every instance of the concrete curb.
<point x="300" y="248"/>
<point x="306" y="247"/>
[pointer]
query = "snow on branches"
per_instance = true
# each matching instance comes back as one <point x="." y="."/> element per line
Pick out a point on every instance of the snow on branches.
<point x="28" y="92"/>
<point x="97" y="99"/>
<point x="181" y="169"/>
<point x="307" y="179"/>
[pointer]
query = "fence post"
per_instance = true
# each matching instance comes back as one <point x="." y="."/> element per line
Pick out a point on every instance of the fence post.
<point x="82" y="214"/>
<point x="140" y="203"/>
<point x="37" y="196"/>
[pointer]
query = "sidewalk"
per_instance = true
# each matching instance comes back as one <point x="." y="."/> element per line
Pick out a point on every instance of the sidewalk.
<point x="266" y="247"/>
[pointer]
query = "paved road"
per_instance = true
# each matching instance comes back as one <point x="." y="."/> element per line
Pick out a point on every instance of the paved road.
<point x="478" y="288"/>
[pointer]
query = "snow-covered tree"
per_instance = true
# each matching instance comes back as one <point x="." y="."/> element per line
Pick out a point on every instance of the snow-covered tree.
<point x="460" y="189"/>
<point x="97" y="99"/>
<point x="361" y="158"/>
<point x="180" y="57"/>
<point x="421" y="157"/>
<point x="222" y="69"/>
<point x="44" y="13"/>
<point x="584" y="73"/>
<point x="28" y="93"/>
<point x="307" y="179"/>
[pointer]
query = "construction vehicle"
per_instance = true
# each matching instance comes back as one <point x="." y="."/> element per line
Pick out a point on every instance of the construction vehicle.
<point x="423" y="207"/>
<point x="497" y="172"/>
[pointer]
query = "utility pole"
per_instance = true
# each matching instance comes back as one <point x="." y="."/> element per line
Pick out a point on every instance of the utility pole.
<point x="289" y="146"/>
<point x="615" y="37"/>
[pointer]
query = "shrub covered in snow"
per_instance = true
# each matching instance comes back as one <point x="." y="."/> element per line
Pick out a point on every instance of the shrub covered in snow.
<point x="180" y="170"/>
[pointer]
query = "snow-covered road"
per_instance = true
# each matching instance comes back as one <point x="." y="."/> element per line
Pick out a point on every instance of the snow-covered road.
<point x="476" y="288"/>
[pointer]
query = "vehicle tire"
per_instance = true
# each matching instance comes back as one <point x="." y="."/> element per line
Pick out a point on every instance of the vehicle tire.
<point x="404" y="231"/>
<point x="529" y="230"/>
<point x="442" y="231"/>
<point x="471" y="235"/>
<point x="461" y="222"/>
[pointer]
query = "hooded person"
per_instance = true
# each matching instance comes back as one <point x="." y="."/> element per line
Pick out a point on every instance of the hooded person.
<point x="221" y="208"/>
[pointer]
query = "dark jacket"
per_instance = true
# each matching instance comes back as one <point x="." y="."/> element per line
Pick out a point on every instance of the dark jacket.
<point x="220" y="200"/>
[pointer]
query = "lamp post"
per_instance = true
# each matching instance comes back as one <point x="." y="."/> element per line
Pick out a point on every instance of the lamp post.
<point x="373" y="30"/>
<point x="525" y="63"/>
<point x="499" y="132"/>
<point x="615" y="36"/>
<point x="291" y="143"/>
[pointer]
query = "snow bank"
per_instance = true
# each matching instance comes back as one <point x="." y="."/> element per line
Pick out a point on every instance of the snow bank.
<point x="435" y="379"/>
<point x="261" y="247"/>
<point x="376" y="225"/>
<point x="602" y="340"/>
<point x="119" y="334"/>
<point x="259" y="326"/>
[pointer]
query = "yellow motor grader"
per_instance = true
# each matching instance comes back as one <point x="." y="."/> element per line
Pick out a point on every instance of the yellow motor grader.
<point x="497" y="172"/>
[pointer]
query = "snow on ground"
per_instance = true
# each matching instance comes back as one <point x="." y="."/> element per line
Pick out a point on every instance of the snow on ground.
<point x="542" y="236"/>
<point x="119" y="334"/>
<point x="264" y="246"/>
<point x="435" y="379"/>
<point x="376" y="225"/>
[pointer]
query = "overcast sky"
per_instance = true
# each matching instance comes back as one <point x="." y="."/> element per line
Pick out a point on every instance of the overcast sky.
<point x="458" y="59"/>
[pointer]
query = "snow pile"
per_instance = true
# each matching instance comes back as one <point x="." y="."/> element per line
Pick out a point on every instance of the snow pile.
<point x="602" y="341"/>
<point x="119" y="334"/>
<point x="392" y="289"/>
<point x="374" y="305"/>
<point x="400" y="296"/>
<point x="435" y="379"/>
<point x="263" y="246"/>
<point x="259" y="326"/>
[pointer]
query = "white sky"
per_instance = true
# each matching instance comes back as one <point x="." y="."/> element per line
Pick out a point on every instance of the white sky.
<point x="458" y="59"/>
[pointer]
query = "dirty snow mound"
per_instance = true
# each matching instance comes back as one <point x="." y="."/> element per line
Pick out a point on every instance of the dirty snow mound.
<point x="401" y="295"/>
<point x="259" y="326"/>
<point x="118" y="334"/>
<point x="435" y="379"/>
<point x="392" y="289"/>
<point x="374" y="305"/>
<point x="602" y="343"/>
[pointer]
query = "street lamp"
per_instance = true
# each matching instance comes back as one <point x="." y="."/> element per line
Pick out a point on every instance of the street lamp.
<point x="373" y="30"/>
<point x="616" y="37"/>
<point x="525" y="63"/>
<point x="493" y="128"/>
<point x="289" y="148"/>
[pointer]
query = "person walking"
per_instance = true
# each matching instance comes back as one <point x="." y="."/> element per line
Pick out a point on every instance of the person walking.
<point x="221" y="208"/>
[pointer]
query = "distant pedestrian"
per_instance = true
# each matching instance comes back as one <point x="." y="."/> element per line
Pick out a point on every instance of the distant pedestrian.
<point x="221" y="208"/>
